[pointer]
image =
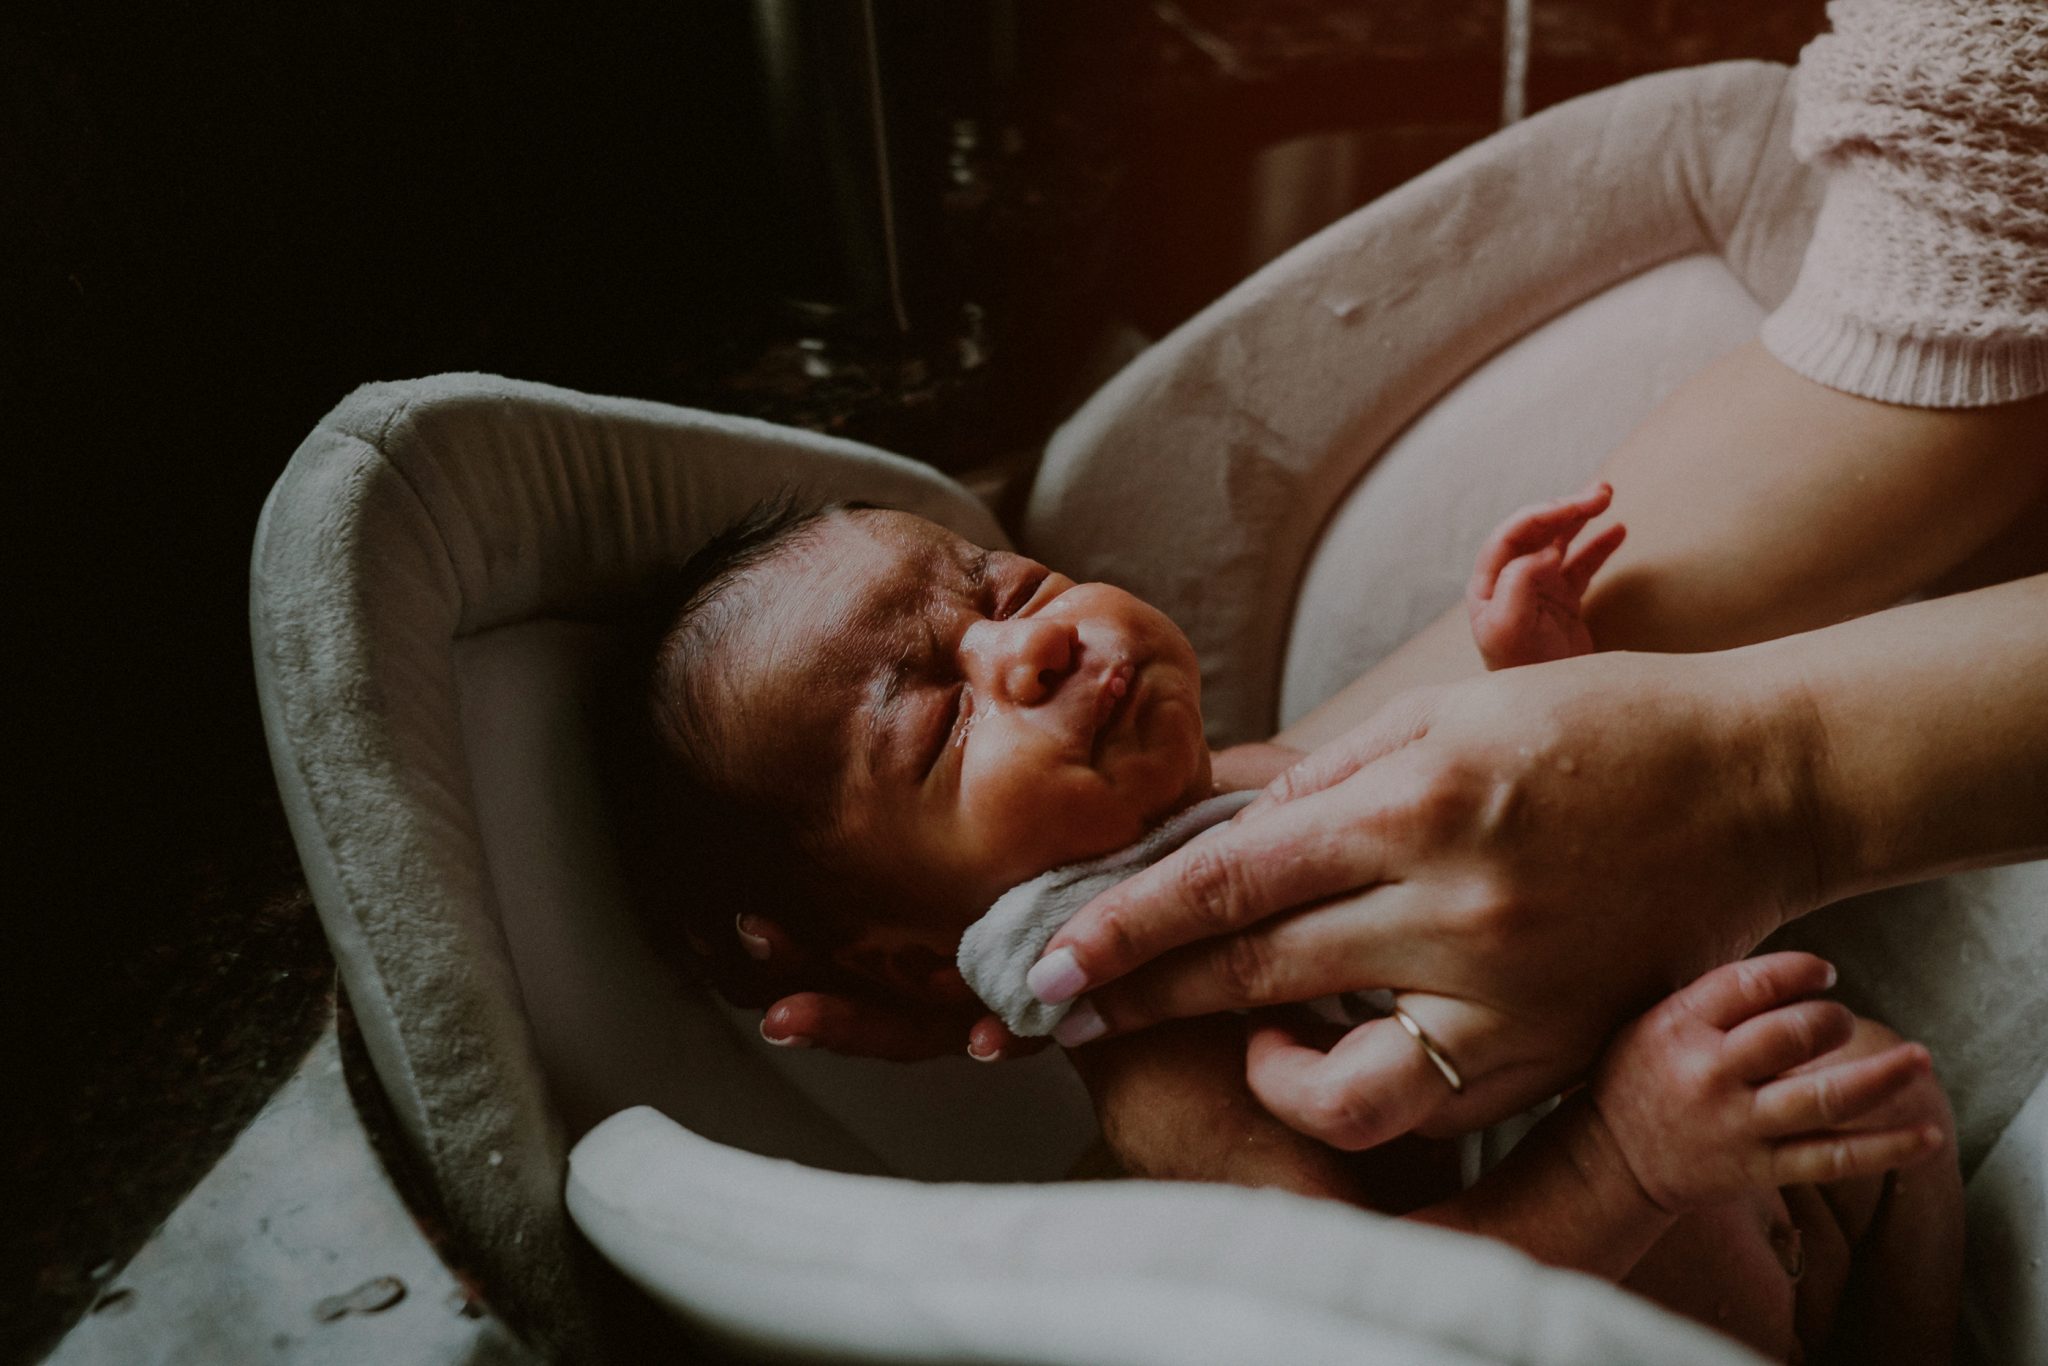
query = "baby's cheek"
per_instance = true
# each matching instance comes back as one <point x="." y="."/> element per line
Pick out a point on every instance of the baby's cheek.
<point x="1172" y="757"/>
<point x="1055" y="818"/>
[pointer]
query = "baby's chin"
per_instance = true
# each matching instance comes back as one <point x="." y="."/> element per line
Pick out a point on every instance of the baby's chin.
<point x="1173" y="771"/>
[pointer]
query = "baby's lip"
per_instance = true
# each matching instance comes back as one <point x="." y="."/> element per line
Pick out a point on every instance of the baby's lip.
<point x="1112" y="700"/>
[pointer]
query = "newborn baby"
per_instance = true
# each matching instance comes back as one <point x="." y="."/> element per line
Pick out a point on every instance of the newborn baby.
<point x="872" y="730"/>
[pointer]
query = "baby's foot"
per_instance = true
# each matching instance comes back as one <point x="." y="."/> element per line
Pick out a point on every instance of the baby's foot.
<point x="1524" y="598"/>
<point x="1741" y="1082"/>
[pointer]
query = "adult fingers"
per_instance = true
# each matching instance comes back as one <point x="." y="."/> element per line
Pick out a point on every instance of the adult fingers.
<point x="1831" y="1097"/>
<point x="990" y="1040"/>
<point x="1780" y="1040"/>
<point x="861" y="1029"/>
<point x="1335" y="947"/>
<point x="1235" y="876"/>
<point x="1838" y="1157"/>
<point x="1734" y="992"/>
<point x="1402" y="720"/>
<point x="1586" y="559"/>
<point x="1373" y="1086"/>
<point x="765" y="941"/>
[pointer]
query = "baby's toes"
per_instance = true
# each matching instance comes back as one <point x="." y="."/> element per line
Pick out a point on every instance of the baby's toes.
<point x="1780" y="1040"/>
<point x="1841" y="1095"/>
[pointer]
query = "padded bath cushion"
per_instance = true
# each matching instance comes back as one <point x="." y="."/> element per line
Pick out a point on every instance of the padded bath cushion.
<point x="777" y="1256"/>
<point x="432" y="580"/>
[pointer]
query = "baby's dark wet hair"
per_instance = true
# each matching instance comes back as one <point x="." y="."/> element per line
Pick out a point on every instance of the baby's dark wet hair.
<point x="725" y="832"/>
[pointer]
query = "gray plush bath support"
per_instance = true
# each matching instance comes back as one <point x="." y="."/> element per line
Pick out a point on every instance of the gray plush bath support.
<point x="999" y="949"/>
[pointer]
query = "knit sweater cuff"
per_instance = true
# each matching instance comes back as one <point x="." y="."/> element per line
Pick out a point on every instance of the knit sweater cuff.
<point x="1900" y="301"/>
<point x="1946" y="372"/>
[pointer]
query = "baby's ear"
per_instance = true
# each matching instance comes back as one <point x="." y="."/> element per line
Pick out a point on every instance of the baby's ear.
<point x="917" y="972"/>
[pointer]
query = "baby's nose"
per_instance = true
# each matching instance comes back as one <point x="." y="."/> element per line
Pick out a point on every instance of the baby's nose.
<point x="1022" y="660"/>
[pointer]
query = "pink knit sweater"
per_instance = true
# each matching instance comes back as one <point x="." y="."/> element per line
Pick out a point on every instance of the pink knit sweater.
<point x="1927" y="279"/>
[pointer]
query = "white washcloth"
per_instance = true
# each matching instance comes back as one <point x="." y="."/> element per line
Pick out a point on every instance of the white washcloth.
<point x="999" y="949"/>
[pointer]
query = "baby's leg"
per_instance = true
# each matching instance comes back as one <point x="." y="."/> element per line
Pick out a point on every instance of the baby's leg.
<point x="1730" y="1267"/>
<point x="1864" y="1270"/>
<point x="1173" y="1105"/>
<point x="1901" y="1237"/>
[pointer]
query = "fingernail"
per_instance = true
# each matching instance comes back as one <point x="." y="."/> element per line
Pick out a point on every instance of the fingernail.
<point x="1833" y="976"/>
<point x="755" y="944"/>
<point x="979" y="1056"/>
<point x="1082" y="1025"/>
<point x="787" y="1040"/>
<point x="1056" y="977"/>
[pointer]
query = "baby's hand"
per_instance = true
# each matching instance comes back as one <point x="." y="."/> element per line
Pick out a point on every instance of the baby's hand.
<point x="1525" y="592"/>
<point x="1703" y="1099"/>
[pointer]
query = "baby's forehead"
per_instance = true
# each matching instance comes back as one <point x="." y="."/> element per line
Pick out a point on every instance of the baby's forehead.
<point x="809" y="647"/>
<point x="870" y="570"/>
<point x="845" y="605"/>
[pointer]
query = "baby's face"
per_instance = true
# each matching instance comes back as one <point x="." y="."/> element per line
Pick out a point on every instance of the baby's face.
<point x="988" y="720"/>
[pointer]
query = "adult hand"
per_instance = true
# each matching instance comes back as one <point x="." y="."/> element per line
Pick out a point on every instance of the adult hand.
<point x="810" y="1003"/>
<point x="1529" y="858"/>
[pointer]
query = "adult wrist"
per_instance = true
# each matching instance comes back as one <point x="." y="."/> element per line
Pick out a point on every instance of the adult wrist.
<point x="1780" y="760"/>
<point x="1908" y="743"/>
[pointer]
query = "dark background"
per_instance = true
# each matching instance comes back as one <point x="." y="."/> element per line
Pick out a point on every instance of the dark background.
<point x="217" y="219"/>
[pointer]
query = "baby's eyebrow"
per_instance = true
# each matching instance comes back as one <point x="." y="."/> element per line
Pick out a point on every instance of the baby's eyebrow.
<point x="885" y="696"/>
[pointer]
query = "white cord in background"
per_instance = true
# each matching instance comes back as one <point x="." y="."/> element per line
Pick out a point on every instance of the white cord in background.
<point x="1514" y="75"/>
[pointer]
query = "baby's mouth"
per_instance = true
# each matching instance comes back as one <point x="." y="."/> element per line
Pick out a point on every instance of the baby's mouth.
<point x="1119" y="684"/>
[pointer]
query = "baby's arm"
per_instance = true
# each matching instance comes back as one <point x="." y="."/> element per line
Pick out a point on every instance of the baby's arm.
<point x="1728" y="1086"/>
<point x="1526" y="592"/>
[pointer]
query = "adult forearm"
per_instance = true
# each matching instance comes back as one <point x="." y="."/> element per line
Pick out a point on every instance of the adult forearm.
<point x="1926" y="734"/>
<point x="1760" y="504"/>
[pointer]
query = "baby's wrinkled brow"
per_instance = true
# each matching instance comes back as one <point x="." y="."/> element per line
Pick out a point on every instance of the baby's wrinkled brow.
<point x="883" y="698"/>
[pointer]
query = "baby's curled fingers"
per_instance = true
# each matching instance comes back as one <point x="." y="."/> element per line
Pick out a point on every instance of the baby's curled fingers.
<point x="1519" y="596"/>
<point x="1835" y="1096"/>
<point x="1734" y="992"/>
<point x="1531" y="530"/>
<point x="1586" y="559"/>
<point x="1780" y="1040"/>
